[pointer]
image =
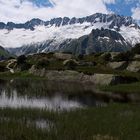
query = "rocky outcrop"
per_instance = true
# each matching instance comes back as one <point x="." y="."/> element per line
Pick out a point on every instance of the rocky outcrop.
<point x="134" y="66"/>
<point x="118" y="65"/>
<point x="54" y="75"/>
<point x="74" y="76"/>
<point x="103" y="79"/>
<point x="63" y="56"/>
<point x="137" y="56"/>
<point x="113" y="55"/>
<point x="70" y="63"/>
<point x="110" y="79"/>
<point x="103" y="40"/>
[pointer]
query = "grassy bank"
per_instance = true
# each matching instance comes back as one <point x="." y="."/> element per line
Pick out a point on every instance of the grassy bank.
<point x="114" y="122"/>
<point x="123" y="88"/>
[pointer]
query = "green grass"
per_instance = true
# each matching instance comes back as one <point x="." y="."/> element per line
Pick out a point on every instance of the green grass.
<point x="3" y="66"/>
<point x="123" y="88"/>
<point x="114" y="122"/>
<point x="4" y="53"/>
<point x="94" y="69"/>
<point x="105" y="70"/>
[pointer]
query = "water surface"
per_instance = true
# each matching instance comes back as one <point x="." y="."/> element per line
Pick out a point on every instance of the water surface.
<point x="43" y="94"/>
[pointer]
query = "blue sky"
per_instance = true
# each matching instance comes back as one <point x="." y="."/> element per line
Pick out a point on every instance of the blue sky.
<point x="122" y="7"/>
<point x="41" y="3"/>
<point x="23" y="10"/>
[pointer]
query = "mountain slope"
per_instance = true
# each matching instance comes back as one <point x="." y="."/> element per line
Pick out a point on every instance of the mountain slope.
<point x="4" y="53"/>
<point x="46" y="36"/>
<point x="103" y="40"/>
<point x="97" y="41"/>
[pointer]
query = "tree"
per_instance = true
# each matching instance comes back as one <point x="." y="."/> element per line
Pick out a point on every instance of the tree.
<point x="124" y="56"/>
<point x="42" y="63"/>
<point x="136" y="49"/>
<point x="21" y="59"/>
<point x="106" y="57"/>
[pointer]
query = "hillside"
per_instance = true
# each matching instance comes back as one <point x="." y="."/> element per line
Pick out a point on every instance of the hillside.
<point x="4" y="54"/>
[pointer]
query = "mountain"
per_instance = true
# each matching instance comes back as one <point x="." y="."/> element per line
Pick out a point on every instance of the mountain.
<point x="97" y="41"/>
<point x="115" y="21"/>
<point x="44" y="36"/>
<point x="4" y="54"/>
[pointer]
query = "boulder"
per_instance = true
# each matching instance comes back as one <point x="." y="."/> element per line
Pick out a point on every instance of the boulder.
<point x="113" y="55"/>
<point x="70" y="61"/>
<point x="89" y="64"/>
<point x="118" y="65"/>
<point x="54" y="75"/>
<point x="110" y="79"/>
<point x="63" y="56"/>
<point x="74" y="76"/>
<point x="137" y="56"/>
<point x="37" y="72"/>
<point x="102" y="79"/>
<point x="67" y="75"/>
<point x="70" y="64"/>
<point x="134" y="66"/>
<point x="32" y="70"/>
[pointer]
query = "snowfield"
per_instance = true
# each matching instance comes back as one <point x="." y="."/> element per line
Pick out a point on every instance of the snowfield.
<point x="20" y="37"/>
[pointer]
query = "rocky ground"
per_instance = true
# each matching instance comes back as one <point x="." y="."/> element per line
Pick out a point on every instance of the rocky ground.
<point x="109" y="68"/>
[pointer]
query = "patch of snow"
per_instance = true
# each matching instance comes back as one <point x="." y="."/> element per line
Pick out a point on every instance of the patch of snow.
<point x="115" y="27"/>
<point x="119" y="41"/>
<point x="19" y="37"/>
<point x="107" y="38"/>
<point x="131" y="35"/>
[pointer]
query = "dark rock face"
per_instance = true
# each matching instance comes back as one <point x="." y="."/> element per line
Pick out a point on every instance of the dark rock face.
<point x="116" y="22"/>
<point x="65" y="21"/>
<point x="107" y="33"/>
<point x="103" y="40"/>
<point x="70" y="76"/>
<point x="2" y="25"/>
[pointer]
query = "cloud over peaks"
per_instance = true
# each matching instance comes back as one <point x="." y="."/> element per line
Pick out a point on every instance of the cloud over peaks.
<point x="23" y="10"/>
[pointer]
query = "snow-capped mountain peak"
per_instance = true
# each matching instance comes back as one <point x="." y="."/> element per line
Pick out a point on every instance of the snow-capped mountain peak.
<point x="115" y="21"/>
<point x="55" y="31"/>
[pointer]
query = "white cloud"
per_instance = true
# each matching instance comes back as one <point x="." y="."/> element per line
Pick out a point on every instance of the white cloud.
<point x="23" y="10"/>
<point x="136" y="13"/>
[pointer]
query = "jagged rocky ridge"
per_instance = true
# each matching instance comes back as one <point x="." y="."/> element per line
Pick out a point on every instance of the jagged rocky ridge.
<point x="116" y="22"/>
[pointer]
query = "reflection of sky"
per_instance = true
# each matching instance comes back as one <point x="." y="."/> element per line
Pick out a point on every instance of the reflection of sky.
<point x="55" y="103"/>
